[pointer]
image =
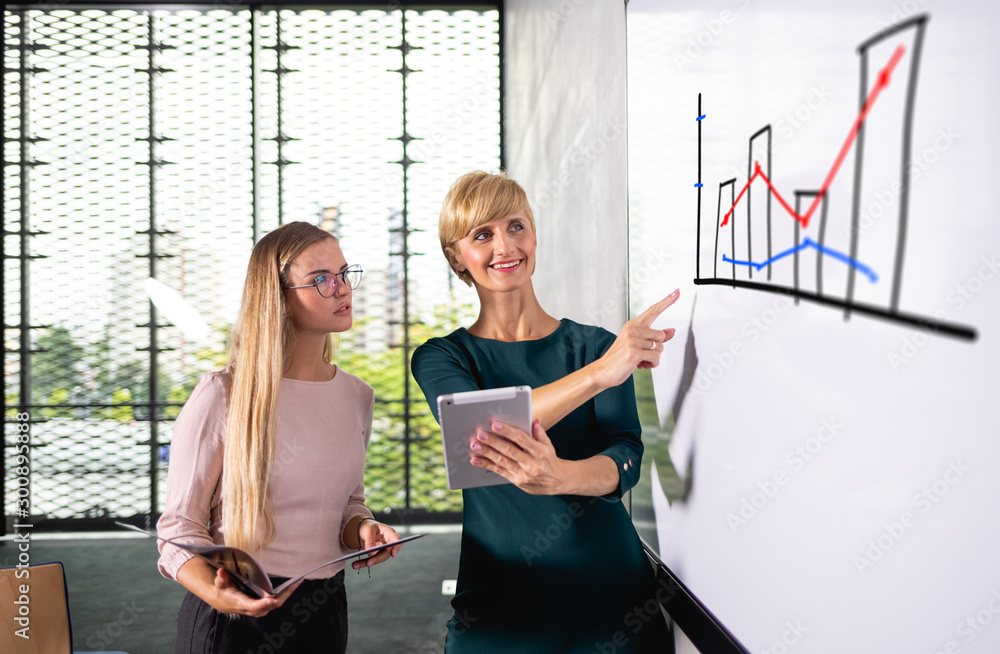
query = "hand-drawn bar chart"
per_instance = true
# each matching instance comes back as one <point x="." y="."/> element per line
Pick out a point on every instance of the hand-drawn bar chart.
<point x="786" y="248"/>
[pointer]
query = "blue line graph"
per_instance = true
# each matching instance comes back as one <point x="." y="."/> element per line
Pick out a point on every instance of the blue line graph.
<point x="822" y="249"/>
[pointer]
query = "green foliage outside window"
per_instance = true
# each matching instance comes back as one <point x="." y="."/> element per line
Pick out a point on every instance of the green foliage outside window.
<point x="383" y="369"/>
<point x="67" y="372"/>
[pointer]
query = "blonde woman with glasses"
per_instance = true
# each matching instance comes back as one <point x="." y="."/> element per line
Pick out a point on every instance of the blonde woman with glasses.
<point x="551" y="561"/>
<point x="268" y="455"/>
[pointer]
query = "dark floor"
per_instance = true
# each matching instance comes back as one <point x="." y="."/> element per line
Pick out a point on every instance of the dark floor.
<point x="119" y="601"/>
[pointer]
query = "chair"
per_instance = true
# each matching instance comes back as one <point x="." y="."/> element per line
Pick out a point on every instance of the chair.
<point x="43" y="611"/>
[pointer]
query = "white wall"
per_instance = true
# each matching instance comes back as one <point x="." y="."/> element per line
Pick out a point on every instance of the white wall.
<point x="564" y="70"/>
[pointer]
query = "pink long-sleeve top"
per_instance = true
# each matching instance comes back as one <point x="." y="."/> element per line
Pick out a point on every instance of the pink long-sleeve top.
<point x="317" y="477"/>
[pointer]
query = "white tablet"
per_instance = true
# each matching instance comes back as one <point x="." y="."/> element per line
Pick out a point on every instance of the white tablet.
<point x="461" y="413"/>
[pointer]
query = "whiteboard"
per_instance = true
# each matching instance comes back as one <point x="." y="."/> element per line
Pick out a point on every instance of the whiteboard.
<point x="828" y="400"/>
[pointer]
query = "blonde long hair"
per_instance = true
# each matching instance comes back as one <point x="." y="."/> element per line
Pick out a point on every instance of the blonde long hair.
<point x="257" y="347"/>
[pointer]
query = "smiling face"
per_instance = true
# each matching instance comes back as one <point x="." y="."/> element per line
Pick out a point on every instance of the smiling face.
<point x="307" y="309"/>
<point x="499" y="255"/>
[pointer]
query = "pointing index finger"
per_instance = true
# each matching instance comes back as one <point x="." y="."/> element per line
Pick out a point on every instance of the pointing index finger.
<point x="646" y="318"/>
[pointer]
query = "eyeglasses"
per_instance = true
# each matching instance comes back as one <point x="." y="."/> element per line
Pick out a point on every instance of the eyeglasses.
<point x="327" y="283"/>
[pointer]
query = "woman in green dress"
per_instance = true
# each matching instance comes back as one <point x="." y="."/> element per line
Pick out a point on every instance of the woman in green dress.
<point x="551" y="562"/>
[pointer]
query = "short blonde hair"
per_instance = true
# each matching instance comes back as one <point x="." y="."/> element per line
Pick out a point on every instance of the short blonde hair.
<point x="474" y="199"/>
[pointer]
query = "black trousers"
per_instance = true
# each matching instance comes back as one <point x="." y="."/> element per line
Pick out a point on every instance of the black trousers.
<point x="312" y="621"/>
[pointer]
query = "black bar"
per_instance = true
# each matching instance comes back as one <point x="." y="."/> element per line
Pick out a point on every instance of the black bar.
<point x="918" y="20"/>
<point x="962" y="332"/>
<point x="718" y="219"/>
<point x="732" y="217"/>
<point x="766" y="129"/>
<point x="404" y="72"/>
<point x="697" y="260"/>
<point x="904" y="170"/>
<point x="24" y="333"/>
<point x="24" y="392"/>
<point x="501" y="31"/>
<point x="154" y="359"/>
<point x="795" y="255"/>
<point x="281" y="140"/>
<point x="749" y="191"/>
<point x="24" y="326"/>
<point x="822" y="241"/>
<point x="254" y="132"/>
<point x="718" y="226"/>
<point x="698" y="623"/>
<point x="3" y="268"/>
<point x="920" y="23"/>
<point x="859" y="157"/>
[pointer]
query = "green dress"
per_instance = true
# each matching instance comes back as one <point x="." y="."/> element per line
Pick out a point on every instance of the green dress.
<point x="537" y="573"/>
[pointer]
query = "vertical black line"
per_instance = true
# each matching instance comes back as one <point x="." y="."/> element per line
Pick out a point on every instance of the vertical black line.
<point x="904" y="171"/>
<point x="501" y="31"/>
<point x="24" y="340"/>
<point x="732" y="218"/>
<point x="770" y="196"/>
<point x="859" y="149"/>
<point x="697" y="260"/>
<point x="24" y="332"/>
<point x="718" y="219"/>
<point x="3" y="246"/>
<point x="749" y="203"/>
<point x="3" y="272"/>
<point x="731" y="183"/>
<point x="406" y="271"/>
<point x="751" y="170"/>
<point x="796" y="241"/>
<point x="281" y="135"/>
<point x="628" y="232"/>
<point x="798" y="228"/>
<point x="628" y="212"/>
<point x="821" y="241"/>
<point x="154" y="363"/>
<point x="254" y="133"/>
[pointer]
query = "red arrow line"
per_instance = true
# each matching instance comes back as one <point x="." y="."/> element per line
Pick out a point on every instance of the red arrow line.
<point x="881" y="83"/>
